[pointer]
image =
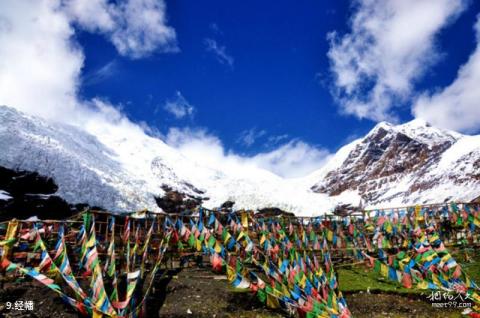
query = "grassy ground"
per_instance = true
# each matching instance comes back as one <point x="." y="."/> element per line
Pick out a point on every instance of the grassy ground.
<point x="470" y="266"/>
<point x="370" y="295"/>
<point x="359" y="278"/>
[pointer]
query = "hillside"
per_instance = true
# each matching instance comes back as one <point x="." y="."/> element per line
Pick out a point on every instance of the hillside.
<point x="392" y="165"/>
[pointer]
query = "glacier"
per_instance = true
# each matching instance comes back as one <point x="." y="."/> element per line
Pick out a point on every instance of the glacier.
<point x="101" y="166"/>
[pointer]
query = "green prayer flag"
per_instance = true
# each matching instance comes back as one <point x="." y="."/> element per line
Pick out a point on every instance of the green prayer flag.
<point x="191" y="240"/>
<point x="262" y="296"/>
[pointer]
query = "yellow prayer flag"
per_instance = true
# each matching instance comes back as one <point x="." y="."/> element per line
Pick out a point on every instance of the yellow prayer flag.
<point x="230" y="273"/>
<point x="446" y="258"/>
<point x="227" y="238"/>
<point x="476" y="297"/>
<point x="218" y="247"/>
<point x="422" y="285"/>
<point x="244" y="219"/>
<point x="334" y="302"/>
<point x="476" y="221"/>
<point x="11" y="233"/>
<point x="303" y="281"/>
<point x="329" y="235"/>
<point x="272" y="302"/>
<point x="91" y="241"/>
<point x="240" y="236"/>
<point x="430" y="257"/>
<point x="384" y="270"/>
<point x="319" y="272"/>
<point x="418" y="209"/>
<point x="96" y="314"/>
<point x="262" y="239"/>
<point x="388" y="227"/>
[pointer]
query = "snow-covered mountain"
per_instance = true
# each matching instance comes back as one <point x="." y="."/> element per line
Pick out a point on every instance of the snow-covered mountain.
<point x="391" y="165"/>
<point x="85" y="169"/>
<point x="405" y="164"/>
<point x="105" y="168"/>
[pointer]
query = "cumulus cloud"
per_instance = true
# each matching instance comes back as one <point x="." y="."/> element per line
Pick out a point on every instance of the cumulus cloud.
<point x="136" y="28"/>
<point x="295" y="158"/>
<point x="249" y="136"/>
<point x="41" y="73"/>
<point x="179" y="106"/>
<point x="457" y="106"/>
<point x="219" y="51"/>
<point x="390" y="45"/>
<point x="39" y="63"/>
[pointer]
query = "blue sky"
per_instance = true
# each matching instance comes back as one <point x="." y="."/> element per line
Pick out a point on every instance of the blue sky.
<point x="269" y="81"/>
<point x="277" y="81"/>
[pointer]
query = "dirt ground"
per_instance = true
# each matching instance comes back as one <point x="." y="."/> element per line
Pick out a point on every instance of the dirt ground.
<point x="363" y="305"/>
<point x="197" y="292"/>
<point x="46" y="303"/>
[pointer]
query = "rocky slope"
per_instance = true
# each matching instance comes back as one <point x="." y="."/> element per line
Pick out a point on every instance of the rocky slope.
<point x="84" y="168"/>
<point x="101" y="166"/>
<point x="406" y="164"/>
<point x="24" y="194"/>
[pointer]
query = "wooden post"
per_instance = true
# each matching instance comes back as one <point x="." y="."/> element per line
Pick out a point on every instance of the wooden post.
<point x="106" y="231"/>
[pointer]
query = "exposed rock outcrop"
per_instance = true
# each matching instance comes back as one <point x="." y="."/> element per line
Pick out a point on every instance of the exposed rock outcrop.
<point x="31" y="194"/>
<point x="177" y="202"/>
<point x="403" y="163"/>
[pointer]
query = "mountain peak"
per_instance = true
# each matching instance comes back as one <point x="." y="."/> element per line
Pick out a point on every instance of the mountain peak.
<point x="422" y="131"/>
<point x="383" y="125"/>
<point x="416" y="123"/>
<point x="404" y="164"/>
<point x="392" y="165"/>
<point x="417" y="129"/>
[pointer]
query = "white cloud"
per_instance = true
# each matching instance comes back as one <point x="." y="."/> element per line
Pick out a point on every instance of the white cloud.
<point x="137" y="28"/>
<point x="275" y="140"/>
<point x="219" y="51"/>
<point x="249" y="136"/>
<point x="457" y="106"/>
<point x="389" y="47"/>
<point x="40" y="61"/>
<point x="92" y="15"/>
<point x="295" y="158"/>
<point x="196" y="143"/>
<point x="101" y="74"/>
<point x="179" y="106"/>
<point x="40" y="74"/>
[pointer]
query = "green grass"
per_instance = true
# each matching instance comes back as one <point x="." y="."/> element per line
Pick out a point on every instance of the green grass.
<point x="471" y="267"/>
<point x="360" y="278"/>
